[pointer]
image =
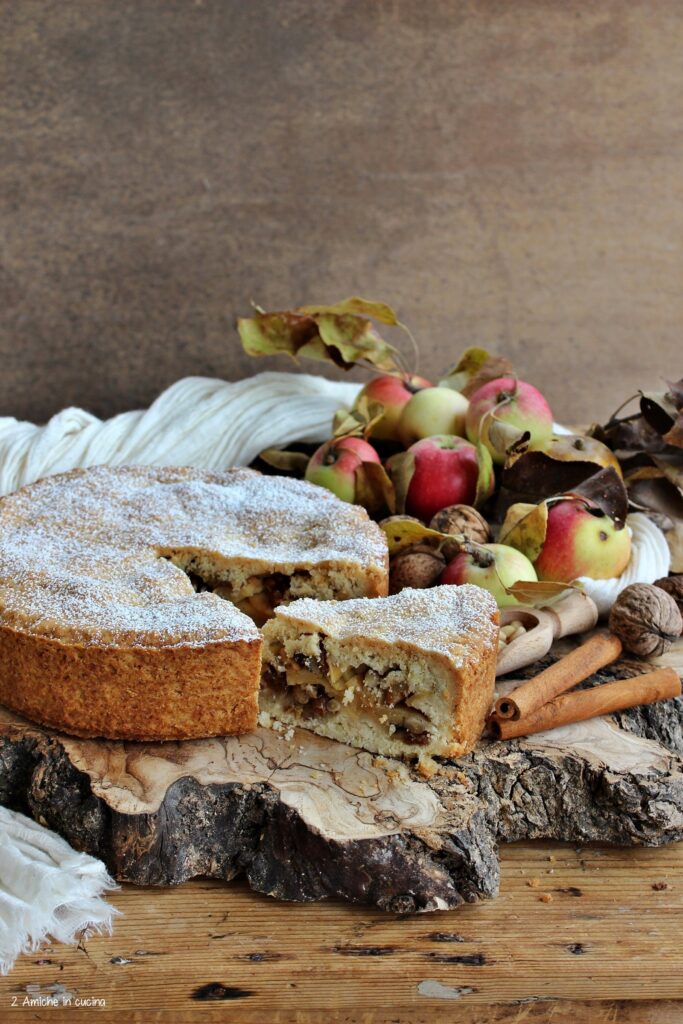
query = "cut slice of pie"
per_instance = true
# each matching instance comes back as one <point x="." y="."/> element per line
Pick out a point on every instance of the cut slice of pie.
<point x="407" y="675"/>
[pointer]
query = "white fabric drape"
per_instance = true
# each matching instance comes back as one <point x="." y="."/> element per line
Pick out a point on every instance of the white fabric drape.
<point x="46" y="889"/>
<point x="198" y="421"/>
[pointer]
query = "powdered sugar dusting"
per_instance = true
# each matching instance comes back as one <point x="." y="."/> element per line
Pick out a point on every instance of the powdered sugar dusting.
<point x="80" y="553"/>
<point x="449" y="620"/>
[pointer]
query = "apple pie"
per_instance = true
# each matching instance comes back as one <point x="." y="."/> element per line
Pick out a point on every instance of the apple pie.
<point x="407" y="675"/>
<point x="130" y="597"/>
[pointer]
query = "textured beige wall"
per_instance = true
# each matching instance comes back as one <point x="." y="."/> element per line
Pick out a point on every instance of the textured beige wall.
<point x="507" y="173"/>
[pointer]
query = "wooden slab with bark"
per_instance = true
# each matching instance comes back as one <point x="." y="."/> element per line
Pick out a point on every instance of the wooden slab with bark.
<point x="308" y="818"/>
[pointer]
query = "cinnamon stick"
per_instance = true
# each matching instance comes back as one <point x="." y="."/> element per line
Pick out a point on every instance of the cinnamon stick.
<point x="661" y="684"/>
<point x="599" y="650"/>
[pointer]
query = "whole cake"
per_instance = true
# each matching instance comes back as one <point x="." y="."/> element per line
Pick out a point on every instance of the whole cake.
<point x="129" y="596"/>
<point x="412" y="674"/>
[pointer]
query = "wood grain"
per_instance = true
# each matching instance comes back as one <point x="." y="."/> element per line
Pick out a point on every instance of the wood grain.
<point x="604" y="950"/>
<point x="510" y="174"/>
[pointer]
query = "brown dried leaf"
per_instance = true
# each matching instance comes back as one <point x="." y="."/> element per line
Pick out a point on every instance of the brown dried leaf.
<point x="525" y="528"/>
<point x="374" y="490"/>
<point x="607" y="490"/>
<point x="541" y="474"/>
<point x="539" y="592"/>
<point x="288" y="462"/>
<point x="650" y="491"/>
<point x="401" y="468"/>
<point x="671" y="464"/>
<point x="475" y="367"/>
<point x="358" y="421"/>
<point x="675" y="435"/>
<point x="342" y="338"/>
<point x="364" y="307"/>
<point x="659" y="410"/>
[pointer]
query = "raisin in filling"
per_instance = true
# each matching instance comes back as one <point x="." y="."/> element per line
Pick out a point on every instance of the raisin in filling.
<point x="304" y="684"/>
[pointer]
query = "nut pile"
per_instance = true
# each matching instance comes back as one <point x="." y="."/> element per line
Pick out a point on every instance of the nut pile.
<point x="510" y="632"/>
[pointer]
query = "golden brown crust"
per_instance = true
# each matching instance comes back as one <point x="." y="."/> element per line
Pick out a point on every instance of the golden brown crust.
<point x="446" y="633"/>
<point x="102" y="634"/>
<point x="477" y="687"/>
<point x="136" y="693"/>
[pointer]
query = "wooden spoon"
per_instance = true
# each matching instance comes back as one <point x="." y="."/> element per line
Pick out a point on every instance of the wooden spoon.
<point x="574" y="613"/>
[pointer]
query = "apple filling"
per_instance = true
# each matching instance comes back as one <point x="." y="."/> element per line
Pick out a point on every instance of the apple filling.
<point x="255" y="594"/>
<point x="258" y="589"/>
<point x="389" y="704"/>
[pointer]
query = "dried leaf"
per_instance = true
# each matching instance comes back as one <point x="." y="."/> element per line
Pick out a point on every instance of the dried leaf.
<point x="486" y="480"/>
<point x="659" y="410"/>
<point x="676" y="392"/>
<point x="675" y="435"/>
<point x="632" y="434"/>
<point x="342" y="338"/>
<point x="475" y="367"/>
<point x="525" y="528"/>
<point x="364" y="307"/>
<point x="359" y="421"/>
<point x="540" y="474"/>
<point x="404" y="533"/>
<point x="539" y="592"/>
<point x="674" y="539"/>
<point x="401" y="468"/>
<point x="289" y="462"/>
<point x="655" y="494"/>
<point x="671" y="465"/>
<point x="607" y="490"/>
<point x="374" y="489"/>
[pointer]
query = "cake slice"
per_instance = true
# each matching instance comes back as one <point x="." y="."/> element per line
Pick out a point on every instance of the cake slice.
<point x="407" y="675"/>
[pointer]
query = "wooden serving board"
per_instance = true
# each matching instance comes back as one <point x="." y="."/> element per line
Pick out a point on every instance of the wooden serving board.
<point x="310" y="818"/>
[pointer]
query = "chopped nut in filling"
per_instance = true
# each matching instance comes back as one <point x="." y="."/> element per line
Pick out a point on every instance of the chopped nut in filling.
<point x="312" y="685"/>
<point x="411" y="675"/>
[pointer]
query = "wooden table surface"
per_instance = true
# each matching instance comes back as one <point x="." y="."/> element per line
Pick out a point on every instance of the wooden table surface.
<point x="577" y="935"/>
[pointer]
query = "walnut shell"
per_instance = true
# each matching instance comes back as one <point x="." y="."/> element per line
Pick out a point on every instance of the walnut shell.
<point x="425" y="544"/>
<point x="673" y="585"/>
<point x="417" y="569"/>
<point x="460" y="519"/>
<point x="646" y="619"/>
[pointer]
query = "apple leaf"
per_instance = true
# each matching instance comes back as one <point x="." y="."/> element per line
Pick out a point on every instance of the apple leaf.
<point x="674" y="539"/>
<point x="374" y="490"/>
<point x="659" y="410"/>
<point x="525" y="527"/>
<point x="475" y="367"/>
<point x="486" y="479"/>
<point x="342" y="338"/>
<point x="364" y="307"/>
<point x="401" y="468"/>
<point x="403" y="533"/>
<point x="671" y="465"/>
<point x="607" y="490"/>
<point x="539" y="592"/>
<point x="358" y="421"/>
<point x="540" y="474"/>
<point x="651" y="492"/>
<point x="289" y="462"/>
<point x="674" y="436"/>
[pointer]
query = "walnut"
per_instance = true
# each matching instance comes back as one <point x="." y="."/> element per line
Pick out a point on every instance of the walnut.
<point x="673" y="585"/>
<point x="415" y="569"/>
<point x="646" y="619"/>
<point x="399" y="519"/>
<point x="464" y="520"/>
<point x="424" y="544"/>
